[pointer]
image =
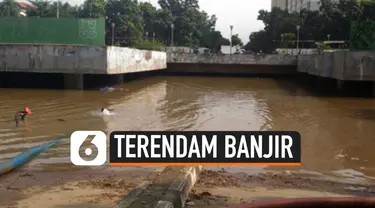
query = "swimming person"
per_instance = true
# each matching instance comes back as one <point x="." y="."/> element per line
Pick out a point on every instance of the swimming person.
<point x="106" y="111"/>
<point x="107" y="89"/>
<point x="21" y="115"/>
<point x="111" y="89"/>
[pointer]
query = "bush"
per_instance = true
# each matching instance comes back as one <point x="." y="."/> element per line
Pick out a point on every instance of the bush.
<point x="289" y="40"/>
<point x="323" y="47"/>
<point x="150" y="45"/>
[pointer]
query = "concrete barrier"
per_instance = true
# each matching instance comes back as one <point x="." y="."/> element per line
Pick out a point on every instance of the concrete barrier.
<point x="79" y="59"/>
<point x="169" y="190"/>
<point x="342" y="65"/>
<point x="243" y="59"/>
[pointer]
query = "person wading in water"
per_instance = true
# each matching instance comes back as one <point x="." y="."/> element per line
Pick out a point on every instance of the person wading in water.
<point x="21" y="115"/>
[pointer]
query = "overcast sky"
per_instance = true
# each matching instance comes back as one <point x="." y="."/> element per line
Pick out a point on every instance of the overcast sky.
<point x="242" y="14"/>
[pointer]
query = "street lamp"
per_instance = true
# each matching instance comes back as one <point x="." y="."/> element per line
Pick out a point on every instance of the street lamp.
<point x="298" y="27"/>
<point x="190" y="34"/>
<point x="231" y="29"/>
<point x="113" y="32"/>
<point x="58" y="9"/>
<point x="172" y="28"/>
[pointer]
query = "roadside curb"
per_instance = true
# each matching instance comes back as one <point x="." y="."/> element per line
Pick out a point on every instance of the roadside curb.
<point x="180" y="188"/>
<point x="133" y="195"/>
<point x="169" y="190"/>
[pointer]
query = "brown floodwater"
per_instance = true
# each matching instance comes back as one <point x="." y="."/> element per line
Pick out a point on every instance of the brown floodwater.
<point x="337" y="133"/>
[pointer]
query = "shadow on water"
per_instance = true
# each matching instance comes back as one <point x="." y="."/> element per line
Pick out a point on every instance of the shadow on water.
<point x="56" y="80"/>
<point x="311" y="86"/>
<point x="368" y="114"/>
<point x="31" y="80"/>
<point x="95" y="81"/>
<point x="308" y="85"/>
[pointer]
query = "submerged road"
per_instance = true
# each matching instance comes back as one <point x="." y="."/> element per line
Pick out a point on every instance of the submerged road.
<point x="336" y="132"/>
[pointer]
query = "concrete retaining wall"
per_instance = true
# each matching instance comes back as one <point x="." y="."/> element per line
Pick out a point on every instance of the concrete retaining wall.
<point x="128" y="60"/>
<point x="78" y="59"/>
<point x="342" y="65"/>
<point x="245" y="59"/>
<point x="295" y="51"/>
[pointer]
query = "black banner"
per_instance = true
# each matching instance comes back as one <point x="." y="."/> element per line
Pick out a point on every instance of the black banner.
<point x="202" y="147"/>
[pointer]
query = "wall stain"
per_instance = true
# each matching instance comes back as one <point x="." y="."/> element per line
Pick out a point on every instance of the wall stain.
<point x="148" y="55"/>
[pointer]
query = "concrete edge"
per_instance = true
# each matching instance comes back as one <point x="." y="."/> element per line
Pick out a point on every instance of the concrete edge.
<point x="179" y="190"/>
<point x="133" y="195"/>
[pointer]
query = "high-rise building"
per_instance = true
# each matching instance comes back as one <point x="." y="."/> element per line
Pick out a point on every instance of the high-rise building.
<point x="298" y="5"/>
<point x="282" y="4"/>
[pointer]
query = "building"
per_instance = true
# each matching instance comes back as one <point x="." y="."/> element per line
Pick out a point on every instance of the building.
<point x="282" y="4"/>
<point x="298" y="5"/>
<point x="24" y="4"/>
<point x="225" y="49"/>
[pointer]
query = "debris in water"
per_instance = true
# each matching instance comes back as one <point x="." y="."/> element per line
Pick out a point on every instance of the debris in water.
<point x="190" y="204"/>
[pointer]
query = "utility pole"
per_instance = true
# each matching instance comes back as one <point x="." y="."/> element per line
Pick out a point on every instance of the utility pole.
<point x="190" y="34"/>
<point x="231" y="28"/>
<point x="58" y="9"/>
<point x="153" y="40"/>
<point x="113" y="32"/>
<point x="172" y="28"/>
<point x="298" y="27"/>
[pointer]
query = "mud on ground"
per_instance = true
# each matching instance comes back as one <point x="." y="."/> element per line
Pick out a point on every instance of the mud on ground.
<point x="86" y="188"/>
<point x="221" y="189"/>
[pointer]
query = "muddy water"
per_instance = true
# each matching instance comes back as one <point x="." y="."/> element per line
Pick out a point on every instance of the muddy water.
<point x="337" y="133"/>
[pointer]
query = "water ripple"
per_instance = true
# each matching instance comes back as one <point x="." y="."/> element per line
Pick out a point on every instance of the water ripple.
<point x="328" y="126"/>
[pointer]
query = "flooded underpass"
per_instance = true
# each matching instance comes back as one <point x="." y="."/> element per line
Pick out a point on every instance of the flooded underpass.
<point x="336" y="132"/>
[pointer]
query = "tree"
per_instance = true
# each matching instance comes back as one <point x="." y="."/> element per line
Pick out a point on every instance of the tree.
<point x="134" y="20"/>
<point x="42" y="9"/>
<point x="334" y="20"/>
<point x="362" y="33"/>
<point x="288" y="40"/>
<point x="150" y="22"/>
<point x="93" y="9"/>
<point x="9" y="8"/>
<point x="260" y="41"/>
<point x="236" y="40"/>
<point x="224" y="41"/>
<point x="127" y="17"/>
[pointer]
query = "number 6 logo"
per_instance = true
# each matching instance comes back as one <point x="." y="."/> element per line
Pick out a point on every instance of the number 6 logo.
<point x="100" y="141"/>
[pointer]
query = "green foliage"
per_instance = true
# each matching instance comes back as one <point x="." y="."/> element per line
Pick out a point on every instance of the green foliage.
<point x="93" y="9"/>
<point x="151" y="45"/>
<point x="323" y="47"/>
<point x="9" y="8"/>
<point x="133" y="19"/>
<point x="236" y="40"/>
<point x="332" y="19"/>
<point x="288" y="40"/>
<point x="362" y="36"/>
